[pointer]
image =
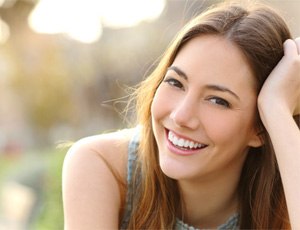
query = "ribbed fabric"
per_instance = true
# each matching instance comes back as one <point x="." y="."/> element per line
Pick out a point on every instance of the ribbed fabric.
<point x="231" y="223"/>
<point x="132" y="154"/>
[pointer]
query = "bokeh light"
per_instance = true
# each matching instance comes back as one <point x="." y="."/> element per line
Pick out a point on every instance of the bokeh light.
<point x="82" y="20"/>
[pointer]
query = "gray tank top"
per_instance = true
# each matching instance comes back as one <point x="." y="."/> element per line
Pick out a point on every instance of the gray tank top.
<point x="231" y="223"/>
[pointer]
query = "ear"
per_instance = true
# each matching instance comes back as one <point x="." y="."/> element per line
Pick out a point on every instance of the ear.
<point x="256" y="139"/>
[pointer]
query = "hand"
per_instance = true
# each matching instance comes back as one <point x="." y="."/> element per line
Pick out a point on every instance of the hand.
<point x="281" y="90"/>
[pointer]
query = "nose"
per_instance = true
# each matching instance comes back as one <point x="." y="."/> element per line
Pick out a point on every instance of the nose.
<point x="185" y="114"/>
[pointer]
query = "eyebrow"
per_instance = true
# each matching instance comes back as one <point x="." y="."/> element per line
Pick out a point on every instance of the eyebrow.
<point x="222" y="89"/>
<point x="179" y="72"/>
<point x="210" y="86"/>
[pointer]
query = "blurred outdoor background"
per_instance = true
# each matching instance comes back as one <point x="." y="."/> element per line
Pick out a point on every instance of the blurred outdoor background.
<point x="65" y="66"/>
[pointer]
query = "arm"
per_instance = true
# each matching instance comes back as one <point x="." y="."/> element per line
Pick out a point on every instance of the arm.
<point x="91" y="195"/>
<point x="278" y="100"/>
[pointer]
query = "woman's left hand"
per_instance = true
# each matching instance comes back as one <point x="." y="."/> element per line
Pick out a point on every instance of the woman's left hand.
<point x="278" y="100"/>
<point x="281" y="90"/>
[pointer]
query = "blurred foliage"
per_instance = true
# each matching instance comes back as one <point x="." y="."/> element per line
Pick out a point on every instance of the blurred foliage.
<point x="6" y="166"/>
<point x="51" y="213"/>
<point x="45" y="91"/>
<point x="63" y="89"/>
<point x="46" y="165"/>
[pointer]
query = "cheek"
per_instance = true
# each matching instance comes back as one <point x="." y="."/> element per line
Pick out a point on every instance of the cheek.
<point x="227" y="127"/>
<point x="160" y="104"/>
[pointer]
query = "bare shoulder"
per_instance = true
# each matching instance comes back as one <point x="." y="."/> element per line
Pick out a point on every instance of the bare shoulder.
<point x="111" y="146"/>
<point x="91" y="195"/>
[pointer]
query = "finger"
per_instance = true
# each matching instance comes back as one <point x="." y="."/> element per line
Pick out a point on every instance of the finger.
<point x="297" y="40"/>
<point x="290" y="48"/>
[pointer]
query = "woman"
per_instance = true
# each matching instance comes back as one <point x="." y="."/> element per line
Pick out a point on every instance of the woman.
<point x="217" y="145"/>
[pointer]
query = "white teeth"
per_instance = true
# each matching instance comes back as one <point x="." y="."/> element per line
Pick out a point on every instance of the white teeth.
<point x="191" y="145"/>
<point x="182" y="142"/>
<point x="186" y="144"/>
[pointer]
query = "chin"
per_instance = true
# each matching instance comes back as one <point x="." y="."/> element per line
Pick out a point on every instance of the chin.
<point x="175" y="168"/>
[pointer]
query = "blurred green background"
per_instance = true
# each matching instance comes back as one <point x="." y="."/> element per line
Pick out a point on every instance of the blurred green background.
<point x="64" y="70"/>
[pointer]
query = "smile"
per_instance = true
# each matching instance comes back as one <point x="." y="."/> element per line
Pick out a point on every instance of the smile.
<point x="184" y="144"/>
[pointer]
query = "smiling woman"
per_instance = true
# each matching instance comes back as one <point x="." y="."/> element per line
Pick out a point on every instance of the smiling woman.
<point x="217" y="143"/>
<point x="198" y="110"/>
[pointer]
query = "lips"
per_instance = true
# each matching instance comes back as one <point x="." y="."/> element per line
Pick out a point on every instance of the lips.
<point x="182" y="143"/>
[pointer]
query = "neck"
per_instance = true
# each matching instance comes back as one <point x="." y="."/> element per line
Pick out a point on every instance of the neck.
<point x="209" y="203"/>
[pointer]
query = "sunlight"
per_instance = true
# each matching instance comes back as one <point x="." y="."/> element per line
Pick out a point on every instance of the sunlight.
<point x="56" y="16"/>
<point x="82" y="20"/>
<point x="42" y="19"/>
<point x="118" y="13"/>
<point x="4" y="31"/>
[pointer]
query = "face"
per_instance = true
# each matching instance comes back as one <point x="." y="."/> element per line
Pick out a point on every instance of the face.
<point x="203" y="112"/>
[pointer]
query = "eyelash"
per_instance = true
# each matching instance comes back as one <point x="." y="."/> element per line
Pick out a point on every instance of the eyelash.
<point x="174" y="82"/>
<point x="217" y="100"/>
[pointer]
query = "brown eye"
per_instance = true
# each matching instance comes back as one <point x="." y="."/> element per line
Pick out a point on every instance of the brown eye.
<point x="219" y="101"/>
<point x="174" y="82"/>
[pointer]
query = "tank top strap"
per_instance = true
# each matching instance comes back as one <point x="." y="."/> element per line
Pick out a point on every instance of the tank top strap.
<point x="132" y="156"/>
<point x="132" y="153"/>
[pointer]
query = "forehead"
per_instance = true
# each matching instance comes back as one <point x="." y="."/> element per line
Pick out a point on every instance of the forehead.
<point x="216" y="59"/>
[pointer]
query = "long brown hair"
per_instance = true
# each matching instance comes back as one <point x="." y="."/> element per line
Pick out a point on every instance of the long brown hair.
<point x="259" y="32"/>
